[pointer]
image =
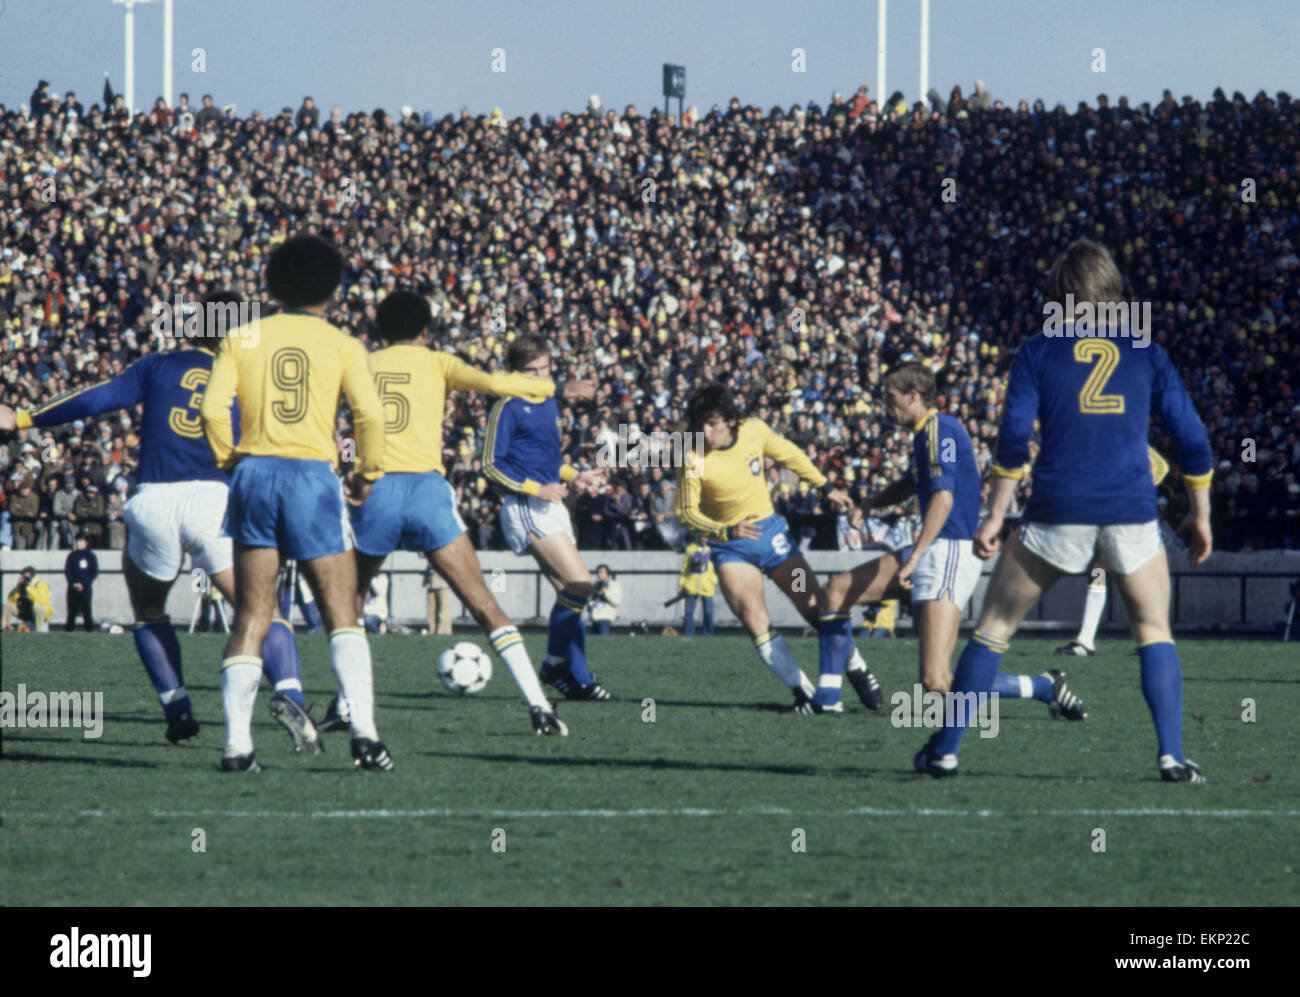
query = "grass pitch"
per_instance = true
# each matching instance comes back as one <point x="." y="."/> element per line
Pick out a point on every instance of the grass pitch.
<point x="703" y="806"/>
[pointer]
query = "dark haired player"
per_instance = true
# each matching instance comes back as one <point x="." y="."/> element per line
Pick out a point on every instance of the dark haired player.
<point x="723" y="496"/>
<point x="522" y="457"/>
<point x="285" y="498"/>
<point x="412" y="507"/>
<point x="178" y="510"/>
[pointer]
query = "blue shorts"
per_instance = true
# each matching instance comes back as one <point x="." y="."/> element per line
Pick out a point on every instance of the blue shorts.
<point x="767" y="553"/>
<point x="293" y="505"/>
<point x="407" y="512"/>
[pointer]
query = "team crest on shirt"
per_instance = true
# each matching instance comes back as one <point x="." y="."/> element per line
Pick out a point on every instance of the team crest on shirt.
<point x="755" y="466"/>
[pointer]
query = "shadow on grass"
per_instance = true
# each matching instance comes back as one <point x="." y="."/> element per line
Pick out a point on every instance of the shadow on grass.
<point x="638" y="763"/>
<point x="1252" y="680"/>
<point x="31" y="756"/>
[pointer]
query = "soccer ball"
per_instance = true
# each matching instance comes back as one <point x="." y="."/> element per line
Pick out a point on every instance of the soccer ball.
<point x="464" y="668"/>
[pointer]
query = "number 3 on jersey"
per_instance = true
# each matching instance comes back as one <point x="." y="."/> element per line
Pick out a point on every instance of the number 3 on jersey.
<point x="1105" y="355"/>
<point x="185" y="421"/>
<point x="780" y="544"/>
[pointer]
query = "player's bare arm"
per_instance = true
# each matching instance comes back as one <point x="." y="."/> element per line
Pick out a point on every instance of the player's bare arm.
<point x="987" y="537"/>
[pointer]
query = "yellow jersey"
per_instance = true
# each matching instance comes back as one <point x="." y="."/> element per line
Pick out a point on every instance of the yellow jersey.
<point x="413" y="381"/>
<point x="288" y="381"/>
<point x="724" y="487"/>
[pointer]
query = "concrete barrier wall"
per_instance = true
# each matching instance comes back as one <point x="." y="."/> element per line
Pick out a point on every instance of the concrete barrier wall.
<point x="1205" y="599"/>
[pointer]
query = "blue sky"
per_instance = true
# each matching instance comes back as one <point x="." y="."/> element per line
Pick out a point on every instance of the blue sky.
<point x="437" y="55"/>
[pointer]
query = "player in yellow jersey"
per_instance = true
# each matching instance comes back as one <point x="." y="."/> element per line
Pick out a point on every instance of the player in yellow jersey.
<point x="412" y="507"/>
<point x="285" y="497"/>
<point x="1095" y="601"/>
<point x="723" y="496"/>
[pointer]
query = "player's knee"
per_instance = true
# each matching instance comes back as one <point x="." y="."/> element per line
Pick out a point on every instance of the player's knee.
<point x="838" y="589"/>
<point x="579" y="587"/>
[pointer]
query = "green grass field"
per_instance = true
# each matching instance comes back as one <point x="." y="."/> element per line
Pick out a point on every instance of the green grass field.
<point x="699" y="807"/>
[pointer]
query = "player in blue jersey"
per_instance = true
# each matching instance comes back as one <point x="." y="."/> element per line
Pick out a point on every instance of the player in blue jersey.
<point x="178" y="510"/>
<point x="522" y="457"/>
<point x="940" y="569"/>
<point x="1092" y="387"/>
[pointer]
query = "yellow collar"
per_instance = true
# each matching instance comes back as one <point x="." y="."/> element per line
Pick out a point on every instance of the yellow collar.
<point x="917" y="427"/>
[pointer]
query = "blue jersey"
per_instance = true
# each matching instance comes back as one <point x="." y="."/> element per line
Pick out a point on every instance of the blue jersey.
<point x="943" y="460"/>
<point x="522" y="449"/>
<point x="170" y="385"/>
<point x="1093" y="399"/>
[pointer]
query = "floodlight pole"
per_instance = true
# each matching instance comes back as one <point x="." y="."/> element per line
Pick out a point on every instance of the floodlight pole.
<point x="130" y="50"/>
<point x="168" y="29"/>
<point x="880" y="53"/>
<point x="925" y="49"/>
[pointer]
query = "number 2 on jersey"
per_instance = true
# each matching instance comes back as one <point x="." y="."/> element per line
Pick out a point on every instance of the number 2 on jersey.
<point x="1105" y="355"/>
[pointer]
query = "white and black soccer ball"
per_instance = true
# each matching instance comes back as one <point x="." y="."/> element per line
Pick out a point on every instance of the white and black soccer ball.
<point x="464" y="668"/>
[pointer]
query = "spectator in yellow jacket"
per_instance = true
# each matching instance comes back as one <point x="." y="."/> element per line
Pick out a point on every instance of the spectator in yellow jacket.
<point x="698" y="583"/>
<point x="878" y="618"/>
<point x="30" y="602"/>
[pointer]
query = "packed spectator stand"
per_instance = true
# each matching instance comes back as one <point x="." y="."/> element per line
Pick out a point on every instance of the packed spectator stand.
<point x="795" y="254"/>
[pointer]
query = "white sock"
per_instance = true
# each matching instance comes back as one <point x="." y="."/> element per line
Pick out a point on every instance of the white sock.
<point x="776" y="654"/>
<point x="1026" y="686"/>
<point x="350" y="659"/>
<point x="1092" y="608"/>
<point x="509" y="647"/>
<point x="857" y="663"/>
<point x="240" y="676"/>
<point x="286" y="684"/>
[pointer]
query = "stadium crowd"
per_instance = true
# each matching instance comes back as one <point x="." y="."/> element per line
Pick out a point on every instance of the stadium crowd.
<point x="795" y="254"/>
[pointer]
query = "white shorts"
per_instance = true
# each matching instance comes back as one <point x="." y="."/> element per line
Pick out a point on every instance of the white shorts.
<point x="948" y="569"/>
<point x="1070" y="547"/>
<point x="167" y="520"/>
<point x="525" y="516"/>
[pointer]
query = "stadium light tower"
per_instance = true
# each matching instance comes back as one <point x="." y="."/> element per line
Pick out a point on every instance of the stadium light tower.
<point x="674" y="86"/>
<point x="130" y="50"/>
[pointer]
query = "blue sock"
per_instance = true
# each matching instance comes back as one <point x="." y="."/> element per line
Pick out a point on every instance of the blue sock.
<point x="280" y="663"/>
<point x="161" y="653"/>
<point x="566" y="637"/>
<point x="1162" y="685"/>
<point x="1009" y="686"/>
<point x="835" y="636"/>
<point x="977" y="668"/>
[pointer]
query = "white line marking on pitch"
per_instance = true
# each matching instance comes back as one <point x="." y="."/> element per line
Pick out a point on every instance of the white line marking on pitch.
<point x="679" y="812"/>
